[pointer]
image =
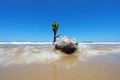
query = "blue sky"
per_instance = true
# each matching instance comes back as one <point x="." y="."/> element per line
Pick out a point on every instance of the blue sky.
<point x="84" y="20"/>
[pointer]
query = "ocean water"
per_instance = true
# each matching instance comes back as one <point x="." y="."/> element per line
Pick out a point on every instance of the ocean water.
<point x="12" y="53"/>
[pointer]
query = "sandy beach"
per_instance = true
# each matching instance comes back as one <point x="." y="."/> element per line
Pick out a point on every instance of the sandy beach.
<point x="90" y="62"/>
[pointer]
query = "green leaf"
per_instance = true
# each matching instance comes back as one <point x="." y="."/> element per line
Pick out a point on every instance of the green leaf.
<point x="55" y="29"/>
<point x="58" y="36"/>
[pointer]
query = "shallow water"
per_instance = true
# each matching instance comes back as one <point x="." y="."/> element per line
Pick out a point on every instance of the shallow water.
<point x="43" y="62"/>
<point x="45" y="53"/>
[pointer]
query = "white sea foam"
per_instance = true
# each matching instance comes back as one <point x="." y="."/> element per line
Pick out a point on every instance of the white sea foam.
<point x="52" y="42"/>
<point x="25" y="42"/>
<point x="37" y="54"/>
<point x="99" y="42"/>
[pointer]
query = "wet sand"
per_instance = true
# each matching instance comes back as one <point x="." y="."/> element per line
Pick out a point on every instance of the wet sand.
<point x="94" y="68"/>
<point x="67" y="67"/>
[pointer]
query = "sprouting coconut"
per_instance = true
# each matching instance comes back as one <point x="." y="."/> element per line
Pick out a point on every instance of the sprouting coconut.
<point x="66" y="45"/>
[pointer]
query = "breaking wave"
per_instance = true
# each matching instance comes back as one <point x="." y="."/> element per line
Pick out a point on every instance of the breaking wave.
<point x="43" y="52"/>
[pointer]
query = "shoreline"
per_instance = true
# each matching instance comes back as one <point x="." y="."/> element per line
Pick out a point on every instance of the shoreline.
<point x="90" y="62"/>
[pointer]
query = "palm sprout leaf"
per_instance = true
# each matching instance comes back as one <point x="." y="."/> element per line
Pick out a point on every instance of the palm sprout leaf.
<point x="55" y="27"/>
<point x="58" y="36"/>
